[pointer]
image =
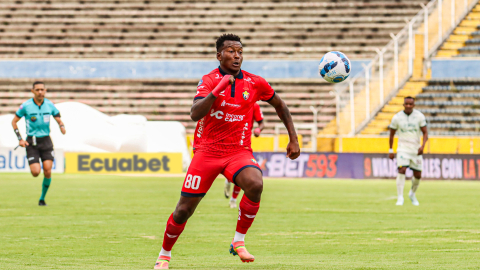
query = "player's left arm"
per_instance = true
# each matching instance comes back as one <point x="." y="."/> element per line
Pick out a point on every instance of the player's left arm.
<point x="60" y="124"/>
<point x="293" y="148"/>
<point x="425" y="139"/>
<point x="259" y="129"/>
<point x="56" y="116"/>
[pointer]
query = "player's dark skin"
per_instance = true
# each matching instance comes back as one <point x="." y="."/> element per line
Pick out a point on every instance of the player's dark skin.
<point x="249" y="179"/>
<point x="408" y="105"/>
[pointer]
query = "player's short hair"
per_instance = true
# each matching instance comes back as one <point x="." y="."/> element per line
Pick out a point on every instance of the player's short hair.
<point x="37" y="82"/>
<point x="224" y="37"/>
<point x="409" y="97"/>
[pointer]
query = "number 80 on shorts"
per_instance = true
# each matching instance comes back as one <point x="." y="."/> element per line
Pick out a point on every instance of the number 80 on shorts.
<point x="192" y="182"/>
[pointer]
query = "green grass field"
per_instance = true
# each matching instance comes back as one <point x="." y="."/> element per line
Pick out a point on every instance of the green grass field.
<point x="115" y="222"/>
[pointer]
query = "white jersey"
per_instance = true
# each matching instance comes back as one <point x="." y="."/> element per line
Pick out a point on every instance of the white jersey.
<point x="408" y="130"/>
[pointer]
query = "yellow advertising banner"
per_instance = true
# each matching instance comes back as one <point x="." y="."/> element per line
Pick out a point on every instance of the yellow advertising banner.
<point x="115" y="163"/>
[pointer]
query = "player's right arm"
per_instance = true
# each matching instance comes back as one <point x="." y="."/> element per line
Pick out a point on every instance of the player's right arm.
<point x="201" y="106"/>
<point x="393" y="129"/>
<point x="293" y="148"/>
<point x="21" y="142"/>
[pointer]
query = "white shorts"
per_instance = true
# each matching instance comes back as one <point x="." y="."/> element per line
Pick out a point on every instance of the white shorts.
<point x="415" y="162"/>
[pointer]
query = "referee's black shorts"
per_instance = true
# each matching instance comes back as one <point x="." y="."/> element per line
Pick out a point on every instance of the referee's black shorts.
<point x="42" y="150"/>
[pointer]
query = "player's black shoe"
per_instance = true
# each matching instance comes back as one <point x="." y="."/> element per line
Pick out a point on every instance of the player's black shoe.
<point x="42" y="203"/>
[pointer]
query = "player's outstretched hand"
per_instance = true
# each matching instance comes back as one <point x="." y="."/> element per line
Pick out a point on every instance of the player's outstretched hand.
<point x="257" y="132"/>
<point x="420" y="151"/>
<point x="391" y="156"/>
<point x="23" y="143"/>
<point x="293" y="150"/>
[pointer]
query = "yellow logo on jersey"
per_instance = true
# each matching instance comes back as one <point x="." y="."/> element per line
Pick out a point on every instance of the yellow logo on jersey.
<point x="246" y="95"/>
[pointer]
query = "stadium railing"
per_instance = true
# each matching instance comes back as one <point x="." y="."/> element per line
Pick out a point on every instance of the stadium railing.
<point x="363" y="95"/>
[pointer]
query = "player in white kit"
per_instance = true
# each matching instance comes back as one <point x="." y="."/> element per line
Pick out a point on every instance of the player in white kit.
<point x="408" y="124"/>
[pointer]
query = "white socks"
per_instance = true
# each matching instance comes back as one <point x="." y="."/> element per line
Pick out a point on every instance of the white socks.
<point x="163" y="252"/>
<point x="415" y="183"/>
<point x="238" y="237"/>
<point x="400" y="184"/>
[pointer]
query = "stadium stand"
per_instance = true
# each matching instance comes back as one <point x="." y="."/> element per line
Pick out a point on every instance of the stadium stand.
<point x="187" y="29"/>
<point x="167" y="99"/>
<point x="465" y="40"/>
<point x="451" y="106"/>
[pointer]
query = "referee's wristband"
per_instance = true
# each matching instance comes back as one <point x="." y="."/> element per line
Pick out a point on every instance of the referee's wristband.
<point x="62" y="126"/>
<point x="390" y="151"/>
<point x="17" y="132"/>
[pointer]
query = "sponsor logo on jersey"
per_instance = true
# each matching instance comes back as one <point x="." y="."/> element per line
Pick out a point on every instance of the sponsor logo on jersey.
<point x="234" y="117"/>
<point x="254" y="161"/>
<point x="201" y="87"/>
<point x="200" y="83"/>
<point x="248" y="79"/>
<point x="21" y="106"/>
<point x="33" y="118"/>
<point x="200" y="127"/>
<point x="246" y="95"/>
<point x="217" y="114"/>
<point x="224" y="103"/>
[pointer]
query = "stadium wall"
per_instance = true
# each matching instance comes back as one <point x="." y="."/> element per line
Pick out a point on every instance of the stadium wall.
<point x="435" y="145"/>
<point x="455" y="68"/>
<point x="136" y="69"/>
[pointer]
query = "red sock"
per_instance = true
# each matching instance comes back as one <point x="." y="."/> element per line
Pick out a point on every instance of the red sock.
<point x="246" y="214"/>
<point x="236" y="191"/>
<point x="172" y="232"/>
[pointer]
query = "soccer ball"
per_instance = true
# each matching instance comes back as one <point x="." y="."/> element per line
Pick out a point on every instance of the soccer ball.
<point x="334" y="67"/>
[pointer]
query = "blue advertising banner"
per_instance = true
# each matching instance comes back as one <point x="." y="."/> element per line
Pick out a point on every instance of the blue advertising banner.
<point x="435" y="167"/>
<point x="313" y="165"/>
<point x="366" y="166"/>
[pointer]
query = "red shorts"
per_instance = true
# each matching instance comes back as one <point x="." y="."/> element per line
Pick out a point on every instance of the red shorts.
<point x="205" y="167"/>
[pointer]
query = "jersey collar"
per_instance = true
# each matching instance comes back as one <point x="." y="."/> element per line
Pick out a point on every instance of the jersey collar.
<point x="239" y="76"/>
<point x="33" y="100"/>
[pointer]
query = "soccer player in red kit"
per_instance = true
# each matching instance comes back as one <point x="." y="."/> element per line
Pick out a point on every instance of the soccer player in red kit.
<point x="257" y="117"/>
<point x="225" y="99"/>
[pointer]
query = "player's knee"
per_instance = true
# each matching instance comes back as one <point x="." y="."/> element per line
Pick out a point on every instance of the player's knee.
<point x="35" y="173"/>
<point x="182" y="213"/>
<point x="47" y="173"/>
<point x="402" y="170"/>
<point x="256" y="187"/>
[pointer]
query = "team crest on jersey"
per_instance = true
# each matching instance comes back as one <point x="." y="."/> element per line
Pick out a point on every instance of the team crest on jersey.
<point x="246" y="95"/>
<point x="199" y="83"/>
<point x="254" y="161"/>
<point x="33" y="118"/>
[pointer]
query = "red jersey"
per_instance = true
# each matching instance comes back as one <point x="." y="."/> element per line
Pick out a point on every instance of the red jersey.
<point x="227" y="127"/>
<point x="257" y="114"/>
<point x="257" y="117"/>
